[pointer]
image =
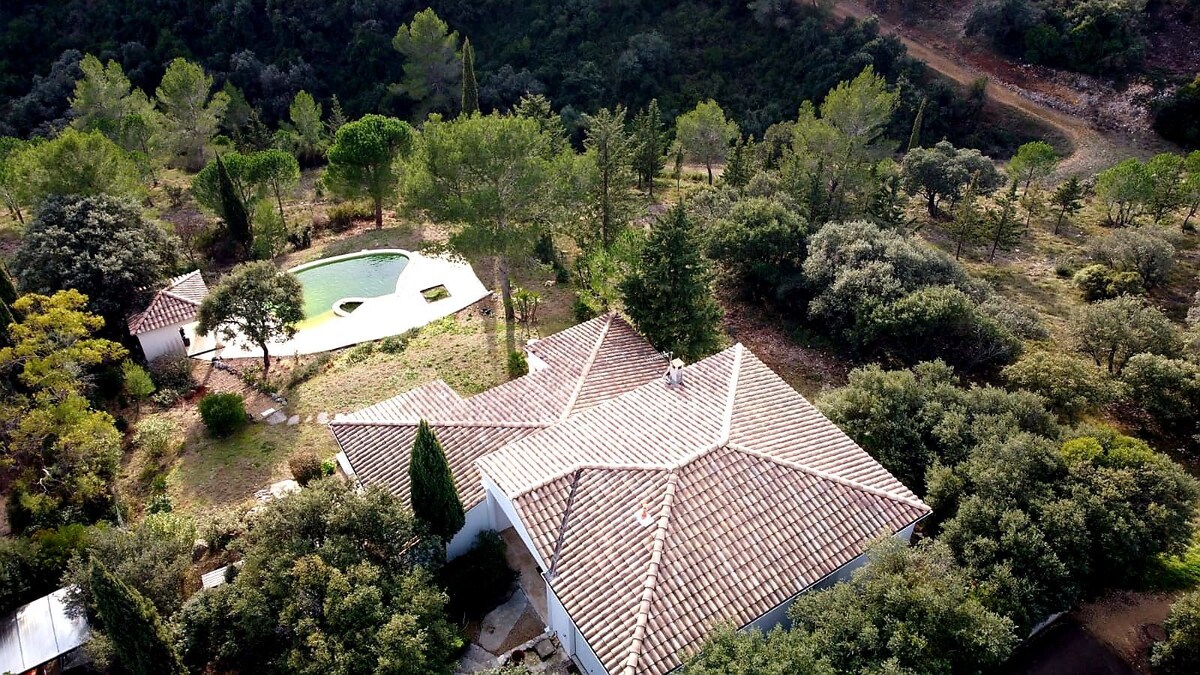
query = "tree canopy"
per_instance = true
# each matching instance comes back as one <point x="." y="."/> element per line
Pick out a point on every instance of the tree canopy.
<point x="255" y="302"/>
<point x="363" y="159"/>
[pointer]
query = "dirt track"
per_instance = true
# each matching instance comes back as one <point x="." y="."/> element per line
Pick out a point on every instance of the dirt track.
<point x="1093" y="149"/>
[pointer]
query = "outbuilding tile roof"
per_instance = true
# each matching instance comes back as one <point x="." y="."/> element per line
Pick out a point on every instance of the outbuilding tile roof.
<point x="175" y="304"/>
<point x="665" y="511"/>
<point x="585" y="365"/>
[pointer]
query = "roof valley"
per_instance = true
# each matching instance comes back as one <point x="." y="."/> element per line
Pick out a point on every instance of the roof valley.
<point x="650" y="583"/>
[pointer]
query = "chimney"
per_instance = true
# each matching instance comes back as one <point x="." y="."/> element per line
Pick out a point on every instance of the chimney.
<point x="674" y="375"/>
<point x="643" y="516"/>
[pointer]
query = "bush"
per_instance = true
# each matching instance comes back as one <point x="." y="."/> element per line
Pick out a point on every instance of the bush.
<point x="156" y="435"/>
<point x="480" y="579"/>
<point x="396" y="344"/>
<point x="305" y="467"/>
<point x="1098" y="282"/>
<point x="517" y="364"/>
<point x="173" y="372"/>
<point x="343" y="216"/>
<point x="1069" y="384"/>
<point x="1180" y="652"/>
<point x="223" y="414"/>
<point x="1178" y="116"/>
<point x="1147" y="255"/>
<point x="309" y="370"/>
<point x="1166" y="389"/>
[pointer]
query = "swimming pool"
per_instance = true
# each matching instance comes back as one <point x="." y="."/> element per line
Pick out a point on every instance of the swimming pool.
<point x="360" y="277"/>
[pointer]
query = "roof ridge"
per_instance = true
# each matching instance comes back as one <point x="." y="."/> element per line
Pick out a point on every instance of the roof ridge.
<point x="593" y="466"/>
<point x="441" y="423"/>
<point x="828" y="476"/>
<point x="587" y="368"/>
<point x="650" y="583"/>
<point x="727" y="415"/>
<point x="173" y="294"/>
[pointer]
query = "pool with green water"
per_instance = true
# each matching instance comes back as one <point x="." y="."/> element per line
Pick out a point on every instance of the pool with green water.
<point x="366" y="276"/>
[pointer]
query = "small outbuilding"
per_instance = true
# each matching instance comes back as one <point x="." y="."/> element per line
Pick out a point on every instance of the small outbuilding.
<point x="165" y="326"/>
<point x="41" y="638"/>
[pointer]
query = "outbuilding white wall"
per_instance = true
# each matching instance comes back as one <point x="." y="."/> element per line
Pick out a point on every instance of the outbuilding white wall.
<point x="478" y="521"/>
<point x="162" y="341"/>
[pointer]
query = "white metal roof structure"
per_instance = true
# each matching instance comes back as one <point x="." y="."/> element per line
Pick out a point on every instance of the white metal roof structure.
<point x="39" y="632"/>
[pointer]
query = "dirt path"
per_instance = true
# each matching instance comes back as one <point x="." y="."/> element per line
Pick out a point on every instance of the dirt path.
<point x="1093" y="149"/>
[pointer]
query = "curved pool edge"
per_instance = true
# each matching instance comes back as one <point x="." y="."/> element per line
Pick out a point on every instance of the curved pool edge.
<point x="350" y="256"/>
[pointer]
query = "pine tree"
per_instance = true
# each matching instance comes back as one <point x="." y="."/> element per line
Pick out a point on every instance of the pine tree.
<point x="967" y="225"/>
<point x="669" y="297"/>
<point x="435" y="502"/>
<point x="337" y="118"/>
<point x="141" y="641"/>
<point x="1003" y="229"/>
<point x="739" y="168"/>
<point x="610" y="146"/>
<point x="1068" y="198"/>
<point x="886" y="207"/>
<point x="8" y="289"/>
<point x="649" y="145"/>
<point x="470" y="89"/>
<point x="914" y="139"/>
<point x="233" y="210"/>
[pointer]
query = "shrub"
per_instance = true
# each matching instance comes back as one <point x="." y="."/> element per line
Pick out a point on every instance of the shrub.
<point x="156" y="435"/>
<point x="305" y="467"/>
<point x="309" y="370"/>
<point x="1177" y="117"/>
<point x="396" y="344"/>
<point x="1180" y="652"/>
<point x="223" y="414"/>
<point x="1166" y="389"/>
<point x="174" y="372"/>
<point x="1112" y="331"/>
<point x="1069" y="384"/>
<point x="517" y="364"/>
<point x="1098" y="282"/>
<point x="343" y="216"/>
<point x="220" y="529"/>
<point x="1146" y="254"/>
<point x="358" y="353"/>
<point x="480" y="579"/>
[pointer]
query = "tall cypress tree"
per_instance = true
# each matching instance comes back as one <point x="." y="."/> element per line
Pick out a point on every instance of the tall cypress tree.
<point x="431" y="487"/>
<point x="233" y="210"/>
<point x="649" y="145"/>
<point x="6" y="320"/>
<point x="8" y="289"/>
<point x="670" y="296"/>
<point x="470" y="89"/>
<point x="142" y="643"/>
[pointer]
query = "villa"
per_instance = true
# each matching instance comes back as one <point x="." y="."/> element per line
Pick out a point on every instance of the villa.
<point x="655" y="506"/>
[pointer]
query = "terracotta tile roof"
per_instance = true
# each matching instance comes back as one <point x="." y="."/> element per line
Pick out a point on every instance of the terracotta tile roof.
<point x="586" y="364"/>
<point x="749" y="495"/>
<point x="175" y="304"/>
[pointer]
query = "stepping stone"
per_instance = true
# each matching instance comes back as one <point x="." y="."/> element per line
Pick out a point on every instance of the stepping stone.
<point x="276" y="418"/>
<point x="267" y="413"/>
<point x="545" y="649"/>
<point x="293" y="420"/>
<point x="308" y="420"/>
<point x="322" y="418"/>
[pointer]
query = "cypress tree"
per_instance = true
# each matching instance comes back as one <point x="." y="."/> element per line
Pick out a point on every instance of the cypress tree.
<point x="914" y="139"/>
<point x="470" y="89"/>
<point x="337" y="118"/>
<point x="669" y="297"/>
<point x="142" y="643"/>
<point x="431" y="487"/>
<point x="6" y="320"/>
<point x="233" y="211"/>
<point x="739" y="169"/>
<point x="8" y="288"/>
<point x="1004" y="229"/>
<point x="649" y="145"/>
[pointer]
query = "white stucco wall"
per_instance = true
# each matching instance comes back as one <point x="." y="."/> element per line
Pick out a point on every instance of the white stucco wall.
<point x="161" y="341"/>
<point x="477" y="521"/>
<point x="503" y="514"/>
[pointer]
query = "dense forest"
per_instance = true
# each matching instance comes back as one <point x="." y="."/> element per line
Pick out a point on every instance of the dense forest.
<point x="760" y="62"/>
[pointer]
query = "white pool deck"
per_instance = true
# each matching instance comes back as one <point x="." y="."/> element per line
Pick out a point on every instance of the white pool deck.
<point x="375" y="318"/>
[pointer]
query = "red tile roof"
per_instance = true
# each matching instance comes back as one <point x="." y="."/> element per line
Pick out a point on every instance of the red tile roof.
<point x="175" y="304"/>
<point x="750" y="496"/>
<point x="585" y="365"/>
